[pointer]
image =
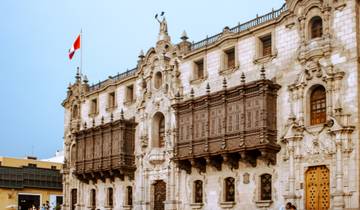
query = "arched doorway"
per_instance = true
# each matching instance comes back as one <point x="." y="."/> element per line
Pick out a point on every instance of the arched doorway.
<point x="317" y="188"/>
<point x="159" y="195"/>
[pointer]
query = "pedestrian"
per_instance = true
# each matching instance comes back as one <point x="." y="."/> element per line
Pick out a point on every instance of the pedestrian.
<point x="43" y="207"/>
<point x="292" y="207"/>
<point x="286" y="207"/>
<point x="47" y="205"/>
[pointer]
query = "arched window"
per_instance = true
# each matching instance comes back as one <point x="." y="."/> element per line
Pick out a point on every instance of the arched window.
<point x="158" y="130"/>
<point x="316" y="27"/>
<point x="318" y="106"/>
<point x="198" y="191"/>
<point x="93" y="199"/>
<point x="229" y="189"/>
<point x="110" y="196"/>
<point x="265" y="187"/>
<point x="158" y="80"/>
<point x="129" y="196"/>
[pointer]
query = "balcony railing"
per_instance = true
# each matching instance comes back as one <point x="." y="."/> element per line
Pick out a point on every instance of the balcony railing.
<point x="115" y="78"/>
<point x="242" y="27"/>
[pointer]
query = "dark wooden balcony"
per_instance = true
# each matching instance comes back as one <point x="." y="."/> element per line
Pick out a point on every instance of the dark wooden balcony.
<point x="233" y="124"/>
<point x="105" y="151"/>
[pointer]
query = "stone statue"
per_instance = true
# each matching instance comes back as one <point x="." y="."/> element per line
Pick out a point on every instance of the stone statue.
<point x="163" y="23"/>
<point x="163" y="34"/>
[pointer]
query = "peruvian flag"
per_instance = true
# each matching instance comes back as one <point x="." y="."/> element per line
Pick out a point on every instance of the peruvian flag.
<point x="74" y="47"/>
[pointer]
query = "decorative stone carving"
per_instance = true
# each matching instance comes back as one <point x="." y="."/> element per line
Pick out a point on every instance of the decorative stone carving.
<point x="156" y="156"/>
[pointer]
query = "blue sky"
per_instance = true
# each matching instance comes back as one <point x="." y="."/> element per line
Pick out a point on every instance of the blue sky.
<point x="35" y="37"/>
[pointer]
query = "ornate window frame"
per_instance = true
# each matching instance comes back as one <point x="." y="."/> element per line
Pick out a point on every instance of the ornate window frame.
<point x="310" y="14"/>
<point x="193" y="204"/>
<point x="128" y="101"/>
<point x="307" y="103"/>
<point x="223" y="68"/>
<point x="311" y="101"/>
<point x="75" y="111"/>
<point x="193" y="77"/>
<point x="311" y="27"/>
<point x="224" y="203"/>
<point x="155" y="128"/>
<point x="93" y="111"/>
<point x="259" y="202"/>
<point x="111" y="107"/>
<point x="158" y="80"/>
<point x="259" y="58"/>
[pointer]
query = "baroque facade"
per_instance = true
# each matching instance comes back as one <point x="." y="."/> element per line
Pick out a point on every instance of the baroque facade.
<point x="261" y="114"/>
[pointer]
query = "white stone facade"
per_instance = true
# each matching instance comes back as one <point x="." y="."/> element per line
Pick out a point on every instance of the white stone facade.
<point x="297" y="62"/>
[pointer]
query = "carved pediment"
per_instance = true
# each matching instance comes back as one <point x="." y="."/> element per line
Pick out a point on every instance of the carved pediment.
<point x="301" y="7"/>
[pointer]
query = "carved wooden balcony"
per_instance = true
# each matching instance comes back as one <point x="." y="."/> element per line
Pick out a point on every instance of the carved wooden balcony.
<point x="233" y="124"/>
<point x="105" y="151"/>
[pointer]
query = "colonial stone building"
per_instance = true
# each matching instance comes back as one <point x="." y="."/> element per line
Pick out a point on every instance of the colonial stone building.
<point x="261" y="114"/>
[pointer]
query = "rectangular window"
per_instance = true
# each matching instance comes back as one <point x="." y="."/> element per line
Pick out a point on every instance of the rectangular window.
<point x="229" y="189"/>
<point x="94" y="105"/>
<point x="53" y="167"/>
<point x="129" y="195"/>
<point x="130" y="93"/>
<point x="265" y="187"/>
<point x="230" y="58"/>
<point x="93" y="199"/>
<point x="110" y="197"/>
<point x="111" y="100"/>
<point x="198" y="191"/>
<point x="199" y="69"/>
<point x="266" y="45"/>
<point x="73" y="198"/>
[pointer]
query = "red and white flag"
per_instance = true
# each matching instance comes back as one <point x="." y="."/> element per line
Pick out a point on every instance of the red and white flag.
<point x="74" y="47"/>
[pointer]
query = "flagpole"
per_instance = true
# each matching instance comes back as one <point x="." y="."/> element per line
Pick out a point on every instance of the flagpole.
<point x="81" y="52"/>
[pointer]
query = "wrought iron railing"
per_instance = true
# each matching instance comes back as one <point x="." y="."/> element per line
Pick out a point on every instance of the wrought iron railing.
<point x="242" y="27"/>
<point x="115" y="78"/>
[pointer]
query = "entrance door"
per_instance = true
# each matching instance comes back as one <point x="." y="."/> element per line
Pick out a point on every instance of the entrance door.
<point x="317" y="188"/>
<point x="159" y="195"/>
<point x="28" y="201"/>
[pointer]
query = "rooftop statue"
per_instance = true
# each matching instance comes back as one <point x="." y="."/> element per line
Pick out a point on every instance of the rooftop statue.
<point x="163" y="34"/>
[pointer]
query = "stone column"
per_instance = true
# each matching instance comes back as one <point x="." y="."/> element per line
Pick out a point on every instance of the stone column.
<point x="140" y="203"/>
<point x="171" y="199"/>
<point x="339" y="192"/>
<point x="301" y="104"/>
<point x="292" y="145"/>
<point x="147" y="191"/>
<point x="291" y="149"/>
<point x="66" y="192"/>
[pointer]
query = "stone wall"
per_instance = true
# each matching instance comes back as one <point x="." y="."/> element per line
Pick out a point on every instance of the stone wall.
<point x="297" y="64"/>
